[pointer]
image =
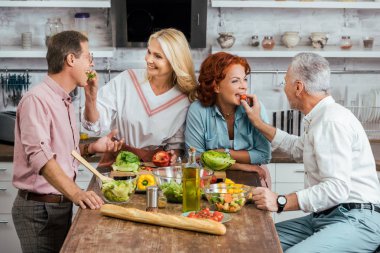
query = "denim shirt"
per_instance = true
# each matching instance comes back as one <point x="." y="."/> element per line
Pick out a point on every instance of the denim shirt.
<point x="206" y="129"/>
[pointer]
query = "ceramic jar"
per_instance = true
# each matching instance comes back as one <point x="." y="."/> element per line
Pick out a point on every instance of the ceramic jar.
<point x="268" y="43"/>
<point x="290" y="39"/>
<point x="318" y="39"/>
<point x="226" y="40"/>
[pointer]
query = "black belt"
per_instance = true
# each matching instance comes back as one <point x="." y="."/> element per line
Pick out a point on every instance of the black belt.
<point x="47" y="198"/>
<point x="350" y="206"/>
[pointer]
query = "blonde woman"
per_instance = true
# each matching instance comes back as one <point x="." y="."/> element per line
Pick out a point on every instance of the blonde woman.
<point x="148" y="106"/>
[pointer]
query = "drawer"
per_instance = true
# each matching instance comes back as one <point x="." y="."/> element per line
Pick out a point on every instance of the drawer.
<point x="288" y="215"/>
<point x="285" y="188"/>
<point x="6" y="171"/>
<point x="84" y="175"/>
<point x="290" y="172"/>
<point x="83" y="185"/>
<point x="8" y="237"/>
<point x="7" y="196"/>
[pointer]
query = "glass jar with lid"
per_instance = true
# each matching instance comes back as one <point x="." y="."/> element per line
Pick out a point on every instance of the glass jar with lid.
<point x="268" y="42"/>
<point x="81" y="22"/>
<point x="345" y="42"/>
<point x="255" y="41"/>
<point x="49" y="29"/>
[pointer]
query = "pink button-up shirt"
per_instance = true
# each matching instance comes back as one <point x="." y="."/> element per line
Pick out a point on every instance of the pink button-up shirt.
<point x="45" y="129"/>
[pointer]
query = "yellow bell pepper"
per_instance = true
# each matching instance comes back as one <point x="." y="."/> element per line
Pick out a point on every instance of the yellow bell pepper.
<point x="144" y="181"/>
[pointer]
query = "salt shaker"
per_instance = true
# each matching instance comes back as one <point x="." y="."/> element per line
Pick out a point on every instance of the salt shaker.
<point x="151" y="199"/>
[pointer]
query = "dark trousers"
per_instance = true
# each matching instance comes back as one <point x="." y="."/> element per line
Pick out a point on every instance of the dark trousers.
<point x="41" y="227"/>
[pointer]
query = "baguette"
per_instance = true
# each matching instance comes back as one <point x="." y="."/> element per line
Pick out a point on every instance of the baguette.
<point x="166" y="220"/>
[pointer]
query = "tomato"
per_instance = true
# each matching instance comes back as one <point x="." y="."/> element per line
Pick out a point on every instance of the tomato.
<point x="191" y="215"/>
<point x="243" y="97"/>
<point x="161" y="159"/>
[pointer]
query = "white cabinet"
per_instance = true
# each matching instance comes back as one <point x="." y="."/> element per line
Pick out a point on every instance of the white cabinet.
<point x="9" y="241"/>
<point x="8" y="238"/>
<point x="287" y="178"/>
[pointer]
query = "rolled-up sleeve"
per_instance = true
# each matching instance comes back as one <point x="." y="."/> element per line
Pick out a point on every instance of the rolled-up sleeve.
<point x="36" y="143"/>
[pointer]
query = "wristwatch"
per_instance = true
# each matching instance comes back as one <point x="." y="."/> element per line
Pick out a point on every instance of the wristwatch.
<point x="227" y="151"/>
<point x="281" y="202"/>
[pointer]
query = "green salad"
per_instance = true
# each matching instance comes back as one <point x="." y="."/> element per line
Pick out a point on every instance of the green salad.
<point x="118" y="190"/>
<point x="172" y="191"/>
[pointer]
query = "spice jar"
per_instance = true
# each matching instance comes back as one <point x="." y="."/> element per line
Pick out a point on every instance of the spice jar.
<point x="268" y="43"/>
<point x="162" y="200"/>
<point x="255" y="41"/>
<point x="345" y="42"/>
<point x="151" y="199"/>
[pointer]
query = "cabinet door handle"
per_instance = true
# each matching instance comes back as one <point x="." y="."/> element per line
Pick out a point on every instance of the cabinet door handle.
<point x="4" y="222"/>
<point x="2" y="170"/>
<point x="3" y="189"/>
<point x="299" y="171"/>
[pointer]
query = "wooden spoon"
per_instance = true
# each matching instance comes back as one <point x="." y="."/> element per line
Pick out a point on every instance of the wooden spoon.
<point x="89" y="166"/>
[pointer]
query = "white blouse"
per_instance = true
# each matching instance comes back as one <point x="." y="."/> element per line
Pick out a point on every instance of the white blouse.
<point x="143" y="119"/>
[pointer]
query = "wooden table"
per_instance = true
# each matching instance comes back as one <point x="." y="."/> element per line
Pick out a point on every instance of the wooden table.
<point x="250" y="230"/>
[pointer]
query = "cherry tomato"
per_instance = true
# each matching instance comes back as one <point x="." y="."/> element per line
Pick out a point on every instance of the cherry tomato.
<point x="243" y="97"/>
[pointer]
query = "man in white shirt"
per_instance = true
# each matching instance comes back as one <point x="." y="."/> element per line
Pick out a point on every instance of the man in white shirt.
<point x="342" y="191"/>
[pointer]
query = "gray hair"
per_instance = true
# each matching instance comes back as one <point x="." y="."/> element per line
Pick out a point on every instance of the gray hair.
<point x="313" y="70"/>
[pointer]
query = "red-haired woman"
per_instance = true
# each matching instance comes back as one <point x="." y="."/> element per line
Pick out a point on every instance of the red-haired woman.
<point x="218" y="121"/>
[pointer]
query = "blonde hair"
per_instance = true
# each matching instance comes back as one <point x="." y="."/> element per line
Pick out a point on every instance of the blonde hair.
<point x="177" y="51"/>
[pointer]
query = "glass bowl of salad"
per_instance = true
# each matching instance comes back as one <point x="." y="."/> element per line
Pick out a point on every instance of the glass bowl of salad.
<point x="169" y="180"/>
<point x="118" y="191"/>
<point x="227" y="198"/>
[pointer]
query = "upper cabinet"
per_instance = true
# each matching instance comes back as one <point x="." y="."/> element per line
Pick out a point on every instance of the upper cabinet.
<point x="295" y="4"/>
<point x="16" y="51"/>
<point x="52" y="3"/>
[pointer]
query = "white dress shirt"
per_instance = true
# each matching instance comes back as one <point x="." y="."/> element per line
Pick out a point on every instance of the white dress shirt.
<point x="337" y="156"/>
<point x="144" y="119"/>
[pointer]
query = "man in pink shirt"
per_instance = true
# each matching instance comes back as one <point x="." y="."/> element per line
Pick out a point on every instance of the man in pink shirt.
<point x="45" y="134"/>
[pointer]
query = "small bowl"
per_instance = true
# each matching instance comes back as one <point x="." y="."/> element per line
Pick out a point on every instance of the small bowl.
<point x="169" y="180"/>
<point x="227" y="198"/>
<point x="118" y="191"/>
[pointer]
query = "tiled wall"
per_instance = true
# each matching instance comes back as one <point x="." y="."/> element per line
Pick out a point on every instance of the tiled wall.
<point x="244" y="22"/>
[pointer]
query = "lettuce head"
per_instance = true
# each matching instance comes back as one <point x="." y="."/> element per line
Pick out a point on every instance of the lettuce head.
<point x="126" y="161"/>
<point x="215" y="160"/>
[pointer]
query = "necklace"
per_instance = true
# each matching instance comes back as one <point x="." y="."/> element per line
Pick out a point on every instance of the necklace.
<point x="226" y="115"/>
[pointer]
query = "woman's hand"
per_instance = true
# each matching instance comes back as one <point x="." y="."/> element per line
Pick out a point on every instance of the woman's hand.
<point x="106" y="144"/>
<point x="250" y="168"/>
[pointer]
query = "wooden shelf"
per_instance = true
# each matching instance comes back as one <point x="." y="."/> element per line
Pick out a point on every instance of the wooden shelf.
<point x="296" y="4"/>
<point x="283" y="52"/>
<point x="40" y="52"/>
<point x="53" y="3"/>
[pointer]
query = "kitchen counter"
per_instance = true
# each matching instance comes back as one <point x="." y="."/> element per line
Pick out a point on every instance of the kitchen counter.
<point x="250" y="229"/>
<point x="6" y="155"/>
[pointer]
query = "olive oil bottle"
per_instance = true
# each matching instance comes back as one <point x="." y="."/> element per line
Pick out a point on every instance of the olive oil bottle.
<point x="191" y="184"/>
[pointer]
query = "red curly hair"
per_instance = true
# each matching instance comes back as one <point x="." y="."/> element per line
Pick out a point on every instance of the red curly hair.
<point x="213" y="70"/>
